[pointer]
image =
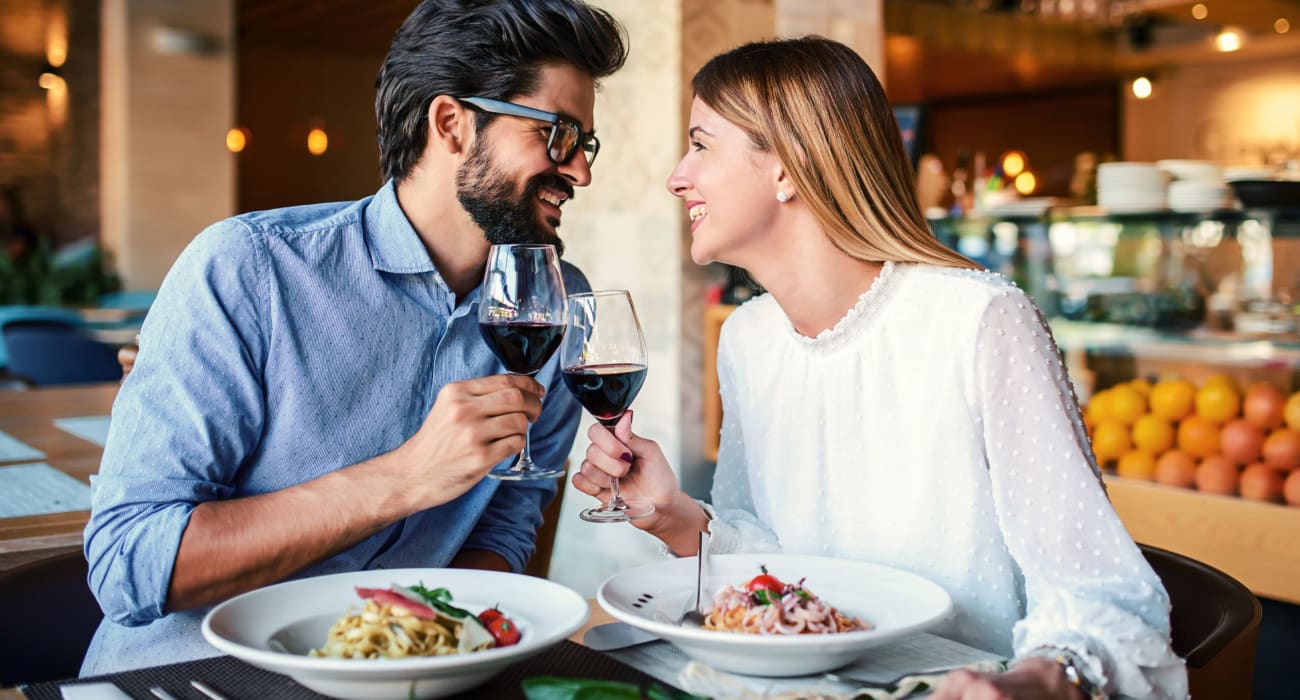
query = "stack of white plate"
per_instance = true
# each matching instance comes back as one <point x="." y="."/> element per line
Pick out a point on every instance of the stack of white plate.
<point x="1127" y="187"/>
<point x="1197" y="197"/>
<point x="1192" y="170"/>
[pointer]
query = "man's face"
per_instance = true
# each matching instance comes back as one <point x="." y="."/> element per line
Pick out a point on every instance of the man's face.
<point x="507" y="184"/>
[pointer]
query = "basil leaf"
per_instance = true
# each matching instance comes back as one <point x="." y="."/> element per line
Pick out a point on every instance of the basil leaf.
<point x="553" y="688"/>
<point x="439" y="599"/>
<point x="761" y="595"/>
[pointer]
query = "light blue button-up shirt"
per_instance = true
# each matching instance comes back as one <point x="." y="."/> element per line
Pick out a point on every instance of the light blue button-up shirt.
<point x="284" y="345"/>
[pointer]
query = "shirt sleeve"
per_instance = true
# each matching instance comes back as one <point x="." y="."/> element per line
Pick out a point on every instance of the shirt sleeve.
<point x="184" y="421"/>
<point x="509" y="524"/>
<point x="734" y="525"/>
<point x="1089" y="590"/>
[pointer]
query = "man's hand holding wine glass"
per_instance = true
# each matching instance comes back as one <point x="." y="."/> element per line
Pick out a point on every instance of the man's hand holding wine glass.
<point x="474" y="425"/>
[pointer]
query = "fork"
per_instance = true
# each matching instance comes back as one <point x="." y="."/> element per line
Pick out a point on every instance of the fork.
<point x="695" y="616"/>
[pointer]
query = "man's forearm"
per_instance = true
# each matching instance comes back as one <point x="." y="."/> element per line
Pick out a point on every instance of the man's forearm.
<point x="234" y="546"/>
<point x="480" y="559"/>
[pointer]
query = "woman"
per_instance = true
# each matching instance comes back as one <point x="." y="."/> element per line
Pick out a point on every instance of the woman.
<point x="886" y="400"/>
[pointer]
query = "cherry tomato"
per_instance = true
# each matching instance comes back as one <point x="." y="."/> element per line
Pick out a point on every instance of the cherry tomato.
<point x="503" y="630"/>
<point x="764" y="582"/>
<point x="487" y="616"/>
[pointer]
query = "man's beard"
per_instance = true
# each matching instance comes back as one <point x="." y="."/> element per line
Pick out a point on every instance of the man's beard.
<point x="488" y="195"/>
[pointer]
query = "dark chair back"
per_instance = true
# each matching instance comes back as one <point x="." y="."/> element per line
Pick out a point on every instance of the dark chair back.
<point x="1214" y="624"/>
<point x="49" y="353"/>
<point x="540" y="563"/>
<point x="50" y="617"/>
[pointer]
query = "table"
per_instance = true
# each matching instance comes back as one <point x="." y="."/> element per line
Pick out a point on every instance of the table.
<point x="29" y="416"/>
<point x="598" y="617"/>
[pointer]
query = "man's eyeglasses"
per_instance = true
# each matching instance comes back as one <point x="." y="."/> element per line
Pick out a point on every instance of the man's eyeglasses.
<point x="566" y="133"/>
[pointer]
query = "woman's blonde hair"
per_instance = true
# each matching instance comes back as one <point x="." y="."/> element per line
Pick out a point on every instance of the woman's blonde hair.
<point x="817" y="106"/>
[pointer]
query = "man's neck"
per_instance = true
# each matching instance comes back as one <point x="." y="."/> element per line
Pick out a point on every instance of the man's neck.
<point x="455" y="243"/>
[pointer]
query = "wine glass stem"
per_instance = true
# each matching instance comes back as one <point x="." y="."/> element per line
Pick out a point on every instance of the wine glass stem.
<point x="526" y="457"/>
<point x="615" y="498"/>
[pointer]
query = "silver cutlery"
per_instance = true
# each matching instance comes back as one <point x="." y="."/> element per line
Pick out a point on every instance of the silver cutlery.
<point x="615" y="635"/>
<point x="694" y="617"/>
<point x="207" y="690"/>
<point x="162" y="694"/>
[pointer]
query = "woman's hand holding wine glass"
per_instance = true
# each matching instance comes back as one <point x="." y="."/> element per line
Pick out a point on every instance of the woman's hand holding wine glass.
<point x="604" y="359"/>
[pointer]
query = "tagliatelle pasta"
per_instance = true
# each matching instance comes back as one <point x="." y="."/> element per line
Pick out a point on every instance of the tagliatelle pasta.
<point x="395" y="624"/>
<point x="774" y="608"/>
<point x="388" y="631"/>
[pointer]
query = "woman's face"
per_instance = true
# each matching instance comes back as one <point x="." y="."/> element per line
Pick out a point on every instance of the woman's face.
<point x="729" y="189"/>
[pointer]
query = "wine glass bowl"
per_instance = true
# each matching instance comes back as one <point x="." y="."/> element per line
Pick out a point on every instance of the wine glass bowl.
<point x="604" y="361"/>
<point x="521" y="318"/>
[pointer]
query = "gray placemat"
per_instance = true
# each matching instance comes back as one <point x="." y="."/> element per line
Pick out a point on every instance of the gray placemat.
<point x="240" y="681"/>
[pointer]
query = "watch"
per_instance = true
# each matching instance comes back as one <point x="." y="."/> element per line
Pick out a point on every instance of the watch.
<point x="1074" y="676"/>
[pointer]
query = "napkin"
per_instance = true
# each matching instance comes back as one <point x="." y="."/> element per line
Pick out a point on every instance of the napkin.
<point x="699" y="679"/>
<point x="93" y="691"/>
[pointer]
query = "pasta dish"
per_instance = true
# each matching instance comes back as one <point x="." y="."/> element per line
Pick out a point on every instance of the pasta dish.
<point x="401" y="622"/>
<point x="765" y="605"/>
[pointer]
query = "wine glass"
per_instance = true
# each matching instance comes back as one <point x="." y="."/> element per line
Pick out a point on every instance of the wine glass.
<point x="603" y="357"/>
<point x="521" y="316"/>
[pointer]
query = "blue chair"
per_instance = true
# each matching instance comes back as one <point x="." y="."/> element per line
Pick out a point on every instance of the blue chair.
<point x="16" y="313"/>
<point x="49" y="353"/>
<point x="135" y="300"/>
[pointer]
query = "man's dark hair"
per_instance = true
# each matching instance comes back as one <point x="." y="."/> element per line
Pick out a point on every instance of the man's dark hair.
<point x="485" y="48"/>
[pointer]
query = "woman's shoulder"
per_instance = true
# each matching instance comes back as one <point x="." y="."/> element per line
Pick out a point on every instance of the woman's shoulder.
<point x="949" y="285"/>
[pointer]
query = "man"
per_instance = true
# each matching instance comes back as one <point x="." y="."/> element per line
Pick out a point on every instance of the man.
<point x="312" y="394"/>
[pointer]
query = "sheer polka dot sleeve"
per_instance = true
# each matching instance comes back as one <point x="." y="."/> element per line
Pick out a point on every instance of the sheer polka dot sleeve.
<point x="734" y="526"/>
<point x="1087" y="586"/>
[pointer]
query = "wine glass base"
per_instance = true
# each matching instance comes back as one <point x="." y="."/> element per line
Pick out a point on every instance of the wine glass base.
<point x="528" y="474"/>
<point x="606" y="514"/>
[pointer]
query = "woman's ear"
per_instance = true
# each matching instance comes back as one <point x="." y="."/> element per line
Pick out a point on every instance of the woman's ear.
<point x="784" y="185"/>
<point x="450" y="125"/>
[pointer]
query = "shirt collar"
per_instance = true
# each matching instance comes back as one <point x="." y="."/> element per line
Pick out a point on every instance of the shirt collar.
<point x="393" y="243"/>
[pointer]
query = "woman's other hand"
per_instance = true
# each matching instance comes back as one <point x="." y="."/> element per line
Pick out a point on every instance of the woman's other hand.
<point x="1030" y="679"/>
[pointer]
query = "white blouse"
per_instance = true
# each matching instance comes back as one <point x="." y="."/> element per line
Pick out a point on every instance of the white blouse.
<point x="934" y="429"/>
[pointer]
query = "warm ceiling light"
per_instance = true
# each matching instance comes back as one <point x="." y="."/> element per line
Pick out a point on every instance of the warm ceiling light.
<point x="1142" y="87"/>
<point x="1228" y="39"/>
<point x="236" y="139"/>
<point x="1026" y="183"/>
<point x="1281" y="26"/>
<point x="1200" y="11"/>
<point x="1013" y="163"/>
<point x="50" y="80"/>
<point x="317" y="141"/>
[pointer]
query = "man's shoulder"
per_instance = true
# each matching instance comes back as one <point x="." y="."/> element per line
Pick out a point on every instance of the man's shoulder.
<point x="575" y="281"/>
<point x="303" y="218"/>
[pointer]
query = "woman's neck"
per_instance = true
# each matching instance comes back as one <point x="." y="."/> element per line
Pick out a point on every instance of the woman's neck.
<point x="814" y="282"/>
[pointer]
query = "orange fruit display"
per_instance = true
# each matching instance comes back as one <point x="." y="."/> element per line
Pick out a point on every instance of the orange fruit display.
<point x="1222" y="380"/>
<point x="1198" y="437"/>
<point x="1291" y="411"/>
<point x="1110" y="440"/>
<point x="1241" y="442"/>
<point x="1215" y="474"/>
<point x="1176" y="468"/>
<point x="1282" y="449"/>
<point x="1217" y="402"/>
<point x="1096" y="410"/>
<point x="1174" y="399"/>
<point x="1154" y="434"/>
<point x="1261" y="483"/>
<point x="1137" y="465"/>
<point x="1262" y="405"/>
<point x="1291" y="488"/>
<point x="1125" y="404"/>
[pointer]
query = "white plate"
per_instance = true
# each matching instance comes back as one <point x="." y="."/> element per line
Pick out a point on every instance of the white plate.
<point x="895" y="602"/>
<point x="274" y="627"/>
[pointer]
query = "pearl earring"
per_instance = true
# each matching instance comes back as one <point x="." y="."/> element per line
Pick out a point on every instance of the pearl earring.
<point x="782" y="197"/>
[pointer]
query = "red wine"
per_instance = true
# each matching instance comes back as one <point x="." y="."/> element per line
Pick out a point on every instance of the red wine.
<point x="605" y="390"/>
<point x="523" y="348"/>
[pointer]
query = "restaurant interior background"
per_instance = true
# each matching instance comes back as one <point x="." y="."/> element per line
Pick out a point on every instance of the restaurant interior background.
<point x="133" y="124"/>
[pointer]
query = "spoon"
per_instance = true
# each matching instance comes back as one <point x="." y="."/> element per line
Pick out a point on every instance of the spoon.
<point x="694" y="617"/>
